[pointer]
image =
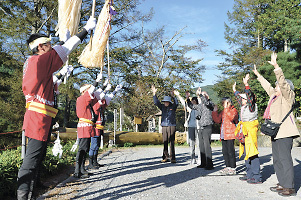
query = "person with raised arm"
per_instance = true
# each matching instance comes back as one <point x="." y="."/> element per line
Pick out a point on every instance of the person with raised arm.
<point x="38" y="89"/>
<point x="204" y="128"/>
<point x="228" y="117"/>
<point x="282" y="98"/>
<point x="248" y="125"/>
<point x="190" y="123"/>
<point x="168" y="123"/>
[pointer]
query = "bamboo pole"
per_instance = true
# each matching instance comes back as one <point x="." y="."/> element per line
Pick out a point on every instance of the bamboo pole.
<point x="93" y="14"/>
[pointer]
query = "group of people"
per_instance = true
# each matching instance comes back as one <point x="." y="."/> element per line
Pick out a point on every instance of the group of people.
<point x="90" y="108"/>
<point x="40" y="85"/>
<point x="41" y="78"/>
<point x="203" y="114"/>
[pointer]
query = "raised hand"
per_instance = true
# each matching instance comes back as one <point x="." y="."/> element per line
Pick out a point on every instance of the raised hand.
<point x="199" y="91"/>
<point x="205" y="94"/>
<point x="246" y="79"/>
<point x="273" y="60"/>
<point x="91" y="23"/>
<point x="154" y="90"/>
<point x="118" y="87"/>
<point x="99" y="77"/>
<point x="234" y="87"/>
<point x="176" y="92"/>
<point x="255" y="71"/>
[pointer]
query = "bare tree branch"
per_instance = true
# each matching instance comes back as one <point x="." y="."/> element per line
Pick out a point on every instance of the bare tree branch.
<point x="46" y="20"/>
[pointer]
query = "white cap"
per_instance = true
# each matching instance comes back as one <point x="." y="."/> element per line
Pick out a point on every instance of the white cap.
<point x="84" y="87"/>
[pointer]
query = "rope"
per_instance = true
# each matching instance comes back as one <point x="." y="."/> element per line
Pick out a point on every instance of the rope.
<point x="10" y="132"/>
<point x="108" y="55"/>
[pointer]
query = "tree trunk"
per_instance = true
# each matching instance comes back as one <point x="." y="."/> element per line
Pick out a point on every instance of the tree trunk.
<point x="66" y="112"/>
<point x="285" y="46"/>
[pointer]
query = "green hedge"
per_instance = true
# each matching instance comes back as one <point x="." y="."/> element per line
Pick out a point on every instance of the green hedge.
<point x="10" y="162"/>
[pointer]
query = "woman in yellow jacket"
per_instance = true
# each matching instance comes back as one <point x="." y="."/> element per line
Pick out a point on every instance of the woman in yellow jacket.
<point x="248" y="125"/>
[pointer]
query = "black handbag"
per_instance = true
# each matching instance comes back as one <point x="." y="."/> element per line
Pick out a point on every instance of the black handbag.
<point x="271" y="128"/>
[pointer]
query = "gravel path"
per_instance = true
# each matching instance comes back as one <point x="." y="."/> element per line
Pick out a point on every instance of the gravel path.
<point x="136" y="173"/>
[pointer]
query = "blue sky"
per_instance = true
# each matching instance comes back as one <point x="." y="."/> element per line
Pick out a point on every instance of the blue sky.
<point x="204" y="20"/>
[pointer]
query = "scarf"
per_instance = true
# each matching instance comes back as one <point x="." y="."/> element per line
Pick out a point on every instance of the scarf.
<point x="266" y="114"/>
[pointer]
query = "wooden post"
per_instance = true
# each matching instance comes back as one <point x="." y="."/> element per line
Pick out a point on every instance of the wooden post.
<point x="23" y="144"/>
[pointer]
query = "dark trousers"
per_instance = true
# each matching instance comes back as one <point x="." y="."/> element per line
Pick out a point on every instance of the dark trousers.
<point x="253" y="167"/>
<point x="33" y="158"/>
<point x="168" y="133"/>
<point x="204" y="136"/>
<point x="192" y="131"/>
<point x="282" y="161"/>
<point x="83" y="146"/>
<point x="229" y="153"/>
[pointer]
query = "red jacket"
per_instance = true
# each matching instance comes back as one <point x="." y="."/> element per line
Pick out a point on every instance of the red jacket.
<point x="228" y="117"/>
<point x="83" y="111"/>
<point x="99" y="111"/>
<point x="37" y="87"/>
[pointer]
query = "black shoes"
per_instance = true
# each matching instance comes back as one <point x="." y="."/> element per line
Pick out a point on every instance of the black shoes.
<point x="80" y="175"/>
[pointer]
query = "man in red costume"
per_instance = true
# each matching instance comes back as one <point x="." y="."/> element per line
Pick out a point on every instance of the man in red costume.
<point x="99" y="108"/>
<point x="38" y="89"/>
<point x="85" y="126"/>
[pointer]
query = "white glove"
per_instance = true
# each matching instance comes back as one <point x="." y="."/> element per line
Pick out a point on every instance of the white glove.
<point x="101" y="96"/>
<point x="109" y="86"/>
<point x="118" y="87"/>
<point x="97" y="93"/>
<point x="74" y="147"/>
<point x="91" y="23"/>
<point x="65" y="37"/>
<point x="106" y="82"/>
<point x="99" y="77"/>
<point x="69" y="70"/>
<point x="55" y="79"/>
<point x="64" y="70"/>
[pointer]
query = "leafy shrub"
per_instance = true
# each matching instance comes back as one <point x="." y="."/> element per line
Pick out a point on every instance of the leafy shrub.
<point x="128" y="144"/>
<point x="10" y="162"/>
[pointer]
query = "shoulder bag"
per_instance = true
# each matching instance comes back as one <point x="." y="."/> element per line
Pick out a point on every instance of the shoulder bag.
<point x="271" y="128"/>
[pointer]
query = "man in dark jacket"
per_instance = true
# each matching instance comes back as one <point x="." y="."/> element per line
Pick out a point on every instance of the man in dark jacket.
<point x="168" y="123"/>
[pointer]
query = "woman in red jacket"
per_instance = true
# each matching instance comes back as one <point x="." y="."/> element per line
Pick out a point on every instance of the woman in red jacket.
<point x="227" y="118"/>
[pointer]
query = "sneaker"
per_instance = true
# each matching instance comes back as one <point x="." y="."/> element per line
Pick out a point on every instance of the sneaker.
<point x="244" y="178"/>
<point x="253" y="181"/>
<point x="224" y="171"/>
<point x="231" y="172"/>
<point x="173" y="161"/>
<point x="164" y="160"/>
<point x="201" y="166"/>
